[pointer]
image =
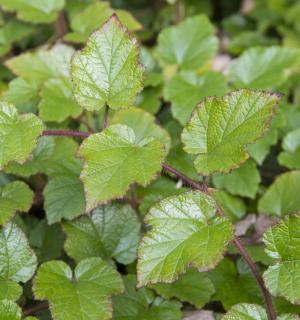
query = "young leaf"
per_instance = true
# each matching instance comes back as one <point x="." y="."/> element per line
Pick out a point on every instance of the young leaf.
<point x="17" y="261"/>
<point x="189" y="45"/>
<point x="186" y="89"/>
<point x="14" y="196"/>
<point x="243" y="181"/>
<point x="141" y="304"/>
<point x="185" y="232"/>
<point x="107" y="70"/>
<point x="86" y="291"/>
<point x="143" y="125"/>
<point x="57" y="103"/>
<point x="9" y="310"/>
<point x="220" y="128"/>
<point x="193" y="287"/>
<point x="282" y="279"/>
<point x="263" y="68"/>
<point x="114" y="160"/>
<point x="92" y="17"/>
<point x="18" y="134"/>
<point x="246" y="311"/>
<point x="282" y="196"/>
<point x="110" y="231"/>
<point x="42" y="11"/>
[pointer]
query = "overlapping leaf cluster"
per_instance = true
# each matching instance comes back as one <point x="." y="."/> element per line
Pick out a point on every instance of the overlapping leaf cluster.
<point x="99" y="103"/>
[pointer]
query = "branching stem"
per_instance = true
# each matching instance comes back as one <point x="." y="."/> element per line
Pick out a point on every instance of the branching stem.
<point x="203" y="188"/>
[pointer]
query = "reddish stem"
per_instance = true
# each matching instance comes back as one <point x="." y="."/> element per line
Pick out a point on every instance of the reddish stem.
<point x="66" y="133"/>
<point x="203" y="188"/>
<point x="253" y="267"/>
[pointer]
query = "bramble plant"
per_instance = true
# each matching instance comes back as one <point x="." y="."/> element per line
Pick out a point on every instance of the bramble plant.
<point x="149" y="169"/>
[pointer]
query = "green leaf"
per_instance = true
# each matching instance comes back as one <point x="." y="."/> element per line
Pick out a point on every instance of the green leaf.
<point x="233" y="207"/>
<point x="260" y="149"/>
<point x="149" y="99"/>
<point x="9" y="310"/>
<point x="52" y="156"/>
<point x="17" y="261"/>
<point x="232" y="286"/>
<point x="291" y="146"/>
<point x="114" y="160"/>
<point x="143" y="125"/>
<point x="22" y="91"/>
<point x="57" y="103"/>
<point x="186" y="89"/>
<point x="86" y="291"/>
<point x="42" y="11"/>
<point x="141" y="304"/>
<point x="47" y="241"/>
<point x="14" y="196"/>
<point x="282" y="278"/>
<point x="18" y="134"/>
<point x="220" y="128"/>
<point x="263" y="68"/>
<point x="193" y="287"/>
<point x="185" y="232"/>
<point x="246" y="311"/>
<point x="189" y="45"/>
<point x="282" y="196"/>
<point x="43" y="64"/>
<point x="156" y="191"/>
<point x="64" y="198"/>
<point x="107" y="70"/>
<point x="11" y="32"/>
<point x="243" y="181"/>
<point x="93" y="16"/>
<point x="111" y="231"/>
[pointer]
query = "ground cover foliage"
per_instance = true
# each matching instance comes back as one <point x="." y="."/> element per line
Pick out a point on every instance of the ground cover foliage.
<point x="149" y="160"/>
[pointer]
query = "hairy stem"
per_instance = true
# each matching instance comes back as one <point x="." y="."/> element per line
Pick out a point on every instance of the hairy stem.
<point x="203" y="188"/>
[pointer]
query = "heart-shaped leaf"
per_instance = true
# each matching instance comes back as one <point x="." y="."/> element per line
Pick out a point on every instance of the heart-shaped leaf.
<point x="110" y="231"/>
<point x="86" y="291"/>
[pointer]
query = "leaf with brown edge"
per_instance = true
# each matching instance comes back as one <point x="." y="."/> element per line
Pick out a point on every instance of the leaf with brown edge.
<point x="185" y="232"/>
<point x="114" y="159"/>
<point x="221" y="128"/>
<point x="107" y="70"/>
